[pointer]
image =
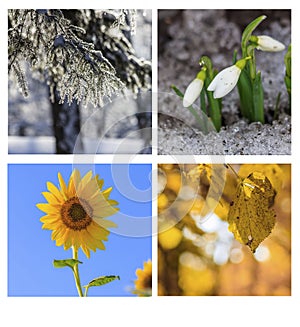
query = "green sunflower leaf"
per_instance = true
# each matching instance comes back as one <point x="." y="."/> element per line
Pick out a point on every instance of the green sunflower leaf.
<point x="66" y="263"/>
<point x="99" y="281"/>
<point x="102" y="280"/>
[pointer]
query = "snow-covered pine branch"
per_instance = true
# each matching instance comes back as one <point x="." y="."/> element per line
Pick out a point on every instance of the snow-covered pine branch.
<point x="85" y="55"/>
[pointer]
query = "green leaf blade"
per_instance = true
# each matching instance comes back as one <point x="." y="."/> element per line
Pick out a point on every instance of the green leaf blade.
<point x="245" y="92"/>
<point x="71" y="263"/>
<point x="200" y="119"/>
<point x="258" y="99"/>
<point x="102" y="280"/>
<point x="177" y="91"/>
<point x="248" y="32"/>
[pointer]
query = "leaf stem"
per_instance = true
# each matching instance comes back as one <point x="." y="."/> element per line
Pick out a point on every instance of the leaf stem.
<point x="231" y="168"/>
<point x="76" y="273"/>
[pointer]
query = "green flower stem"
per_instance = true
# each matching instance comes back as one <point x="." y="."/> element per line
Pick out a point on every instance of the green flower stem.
<point x="86" y="291"/>
<point x="215" y="105"/>
<point x="288" y="73"/>
<point x="252" y="66"/>
<point x="215" y="110"/>
<point x="199" y="119"/>
<point x="76" y="273"/>
<point x="203" y="108"/>
<point x="252" y="61"/>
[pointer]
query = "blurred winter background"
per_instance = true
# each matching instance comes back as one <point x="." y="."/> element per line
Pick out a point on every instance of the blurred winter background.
<point x="121" y="126"/>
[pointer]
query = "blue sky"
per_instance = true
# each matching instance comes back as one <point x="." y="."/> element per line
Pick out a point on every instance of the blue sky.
<point x="31" y="250"/>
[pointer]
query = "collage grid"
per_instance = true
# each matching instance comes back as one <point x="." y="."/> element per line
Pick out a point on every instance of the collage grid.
<point x="153" y="176"/>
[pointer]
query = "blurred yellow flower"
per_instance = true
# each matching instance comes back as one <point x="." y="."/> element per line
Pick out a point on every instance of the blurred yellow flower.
<point x="76" y="212"/>
<point x="143" y="283"/>
<point x="170" y="238"/>
<point x="162" y="201"/>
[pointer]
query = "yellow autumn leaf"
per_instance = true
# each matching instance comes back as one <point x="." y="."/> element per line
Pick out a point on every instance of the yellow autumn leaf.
<point x="272" y="171"/>
<point x="213" y="177"/>
<point x="250" y="218"/>
<point x="200" y="171"/>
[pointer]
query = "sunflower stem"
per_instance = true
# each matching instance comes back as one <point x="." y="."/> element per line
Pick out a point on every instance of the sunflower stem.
<point x="76" y="273"/>
<point x="86" y="291"/>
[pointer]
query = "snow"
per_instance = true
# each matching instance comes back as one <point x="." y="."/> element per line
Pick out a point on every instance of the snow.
<point x="46" y="145"/>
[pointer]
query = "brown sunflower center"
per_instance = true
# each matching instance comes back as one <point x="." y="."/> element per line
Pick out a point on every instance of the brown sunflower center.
<point x="76" y="213"/>
<point x="148" y="281"/>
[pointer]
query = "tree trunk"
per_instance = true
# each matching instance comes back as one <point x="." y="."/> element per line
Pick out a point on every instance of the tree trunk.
<point x="144" y="117"/>
<point x="66" y="127"/>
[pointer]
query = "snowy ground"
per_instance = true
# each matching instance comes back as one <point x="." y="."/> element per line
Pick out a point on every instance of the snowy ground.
<point x="185" y="36"/>
<point x="46" y="145"/>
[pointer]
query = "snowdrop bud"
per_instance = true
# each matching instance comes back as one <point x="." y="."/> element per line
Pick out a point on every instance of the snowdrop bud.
<point x="267" y="43"/>
<point x="194" y="89"/>
<point x="226" y="79"/>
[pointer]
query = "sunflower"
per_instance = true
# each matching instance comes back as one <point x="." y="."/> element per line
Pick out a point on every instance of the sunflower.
<point x="76" y="212"/>
<point x="143" y="283"/>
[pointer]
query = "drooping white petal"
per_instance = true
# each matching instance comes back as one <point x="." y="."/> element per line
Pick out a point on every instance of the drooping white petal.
<point x="267" y="43"/>
<point x="192" y="92"/>
<point x="225" y="81"/>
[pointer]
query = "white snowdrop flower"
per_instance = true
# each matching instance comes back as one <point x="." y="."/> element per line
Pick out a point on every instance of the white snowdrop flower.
<point x="194" y="89"/>
<point x="226" y="79"/>
<point x="267" y="43"/>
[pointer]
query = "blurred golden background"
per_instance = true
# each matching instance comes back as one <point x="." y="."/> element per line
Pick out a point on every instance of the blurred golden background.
<point x="197" y="254"/>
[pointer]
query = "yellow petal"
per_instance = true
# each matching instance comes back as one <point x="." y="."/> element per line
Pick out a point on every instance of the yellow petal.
<point x="113" y="202"/>
<point x="68" y="239"/>
<point x="103" y="212"/>
<point x="55" y="191"/>
<point x="86" y="178"/>
<point x="50" y="218"/>
<point x="105" y="223"/>
<point x="99" y="181"/>
<point x="73" y="183"/>
<point x="76" y="239"/>
<point x="98" y="232"/>
<point x="52" y="225"/>
<point x="101" y="203"/>
<point x="63" y="186"/>
<point x="86" y="251"/>
<point x="100" y="244"/>
<point x="87" y="240"/>
<point x="48" y="208"/>
<point x="107" y="192"/>
<point x="58" y="232"/>
<point x="60" y="241"/>
<point x="76" y="178"/>
<point x="71" y="187"/>
<point x="51" y="198"/>
<point x="89" y="190"/>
